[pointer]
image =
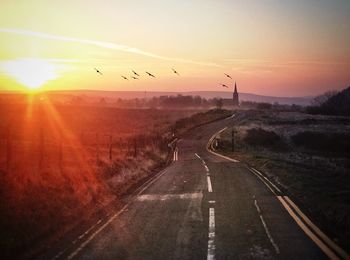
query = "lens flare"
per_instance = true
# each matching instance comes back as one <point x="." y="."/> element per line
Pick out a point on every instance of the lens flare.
<point x="32" y="73"/>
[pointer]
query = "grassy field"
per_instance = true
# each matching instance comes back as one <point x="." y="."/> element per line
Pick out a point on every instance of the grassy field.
<point x="306" y="154"/>
<point x="61" y="162"/>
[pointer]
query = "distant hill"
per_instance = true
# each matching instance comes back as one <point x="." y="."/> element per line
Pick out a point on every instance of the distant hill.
<point x="303" y="101"/>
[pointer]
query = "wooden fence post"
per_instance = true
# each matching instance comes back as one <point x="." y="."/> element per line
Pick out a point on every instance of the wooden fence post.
<point x="110" y="147"/>
<point x="8" y="149"/>
<point x="60" y="153"/>
<point x="135" y="147"/>
<point x="97" y="150"/>
<point x="41" y="148"/>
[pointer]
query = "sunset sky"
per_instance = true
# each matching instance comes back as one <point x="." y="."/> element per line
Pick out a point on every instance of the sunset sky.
<point x="280" y="48"/>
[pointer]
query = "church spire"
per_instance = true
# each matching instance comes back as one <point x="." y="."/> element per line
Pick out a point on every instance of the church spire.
<point x="235" y="96"/>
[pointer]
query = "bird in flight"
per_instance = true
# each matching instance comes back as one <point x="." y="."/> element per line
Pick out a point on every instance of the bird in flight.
<point x="225" y="86"/>
<point x="134" y="77"/>
<point x="124" y="77"/>
<point x="135" y="73"/>
<point x="98" y="71"/>
<point x="151" y="75"/>
<point x="227" y="75"/>
<point x="175" y="72"/>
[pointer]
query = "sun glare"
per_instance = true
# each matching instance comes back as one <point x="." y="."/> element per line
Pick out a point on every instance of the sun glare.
<point x="32" y="73"/>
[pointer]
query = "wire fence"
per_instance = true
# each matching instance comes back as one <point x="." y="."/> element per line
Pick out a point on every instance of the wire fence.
<point x="40" y="149"/>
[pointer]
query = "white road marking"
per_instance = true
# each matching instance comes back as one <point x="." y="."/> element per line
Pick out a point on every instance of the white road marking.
<point x="211" y="201"/>
<point x="211" y="235"/>
<point x="206" y="168"/>
<point x="87" y="231"/>
<point x="198" y="156"/>
<point x="162" y="197"/>
<point x="59" y="254"/>
<point x="210" y="188"/>
<point x="84" y="244"/>
<point x="266" y="228"/>
<point x="233" y="115"/>
<point x="307" y="231"/>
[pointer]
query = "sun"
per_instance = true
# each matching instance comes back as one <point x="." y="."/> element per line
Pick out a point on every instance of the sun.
<point x="32" y="73"/>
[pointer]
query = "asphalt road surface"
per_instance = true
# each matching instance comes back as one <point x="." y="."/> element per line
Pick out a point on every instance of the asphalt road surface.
<point x="204" y="206"/>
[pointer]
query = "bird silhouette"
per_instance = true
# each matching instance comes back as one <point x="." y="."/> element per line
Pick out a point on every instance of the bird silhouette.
<point x="151" y="75"/>
<point x="227" y="75"/>
<point x="134" y="77"/>
<point x="135" y="73"/>
<point x="225" y="86"/>
<point x="124" y="77"/>
<point x="175" y="72"/>
<point x="98" y="71"/>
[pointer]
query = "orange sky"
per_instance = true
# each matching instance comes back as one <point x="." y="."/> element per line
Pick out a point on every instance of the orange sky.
<point x="281" y="48"/>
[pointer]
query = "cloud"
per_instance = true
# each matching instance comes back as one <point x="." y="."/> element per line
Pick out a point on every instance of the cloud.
<point x="105" y="45"/>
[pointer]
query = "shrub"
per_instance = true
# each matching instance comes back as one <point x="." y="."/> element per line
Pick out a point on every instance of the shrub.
<point x="265" y="106"/>
<point x="332" y="144"/>
<point x="261" y="137"/>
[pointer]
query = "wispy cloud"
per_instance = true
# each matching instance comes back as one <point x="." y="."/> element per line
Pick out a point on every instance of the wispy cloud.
<point x="105" y="45"/>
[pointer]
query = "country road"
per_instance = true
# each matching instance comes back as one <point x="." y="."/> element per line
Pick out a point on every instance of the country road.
<point x="204" y="206"/>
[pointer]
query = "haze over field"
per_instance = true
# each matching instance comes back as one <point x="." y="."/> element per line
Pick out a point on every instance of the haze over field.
<point x="274" y="48"/>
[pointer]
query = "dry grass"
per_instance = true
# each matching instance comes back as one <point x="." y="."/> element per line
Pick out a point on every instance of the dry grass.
<point x="39" y="195"/>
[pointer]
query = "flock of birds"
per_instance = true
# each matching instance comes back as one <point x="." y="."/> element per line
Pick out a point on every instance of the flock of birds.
<point x="136" y="76"/>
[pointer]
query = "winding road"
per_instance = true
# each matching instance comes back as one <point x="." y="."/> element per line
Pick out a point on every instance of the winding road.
<point x="205" y="206"/>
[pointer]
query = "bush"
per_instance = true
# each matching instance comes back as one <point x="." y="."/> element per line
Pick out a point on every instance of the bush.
<point x="332" y="144"/>
<point x="264" y="106"/>
<point x="261" y="137"/>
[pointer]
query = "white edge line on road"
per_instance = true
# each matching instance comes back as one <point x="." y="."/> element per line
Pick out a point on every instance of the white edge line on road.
<point x="210" y="187"/>
<point x="307" y="231"/>
<point x="198" y="156"/>
<point x="211" y="235"/>
<point x="84" y="244"/>
<point x="206" y="168"/>
<point x="275" y="246"/>
<point x="322" y="235"/>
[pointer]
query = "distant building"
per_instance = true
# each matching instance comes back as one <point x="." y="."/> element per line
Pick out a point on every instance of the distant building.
<point x="235" y="97"/>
